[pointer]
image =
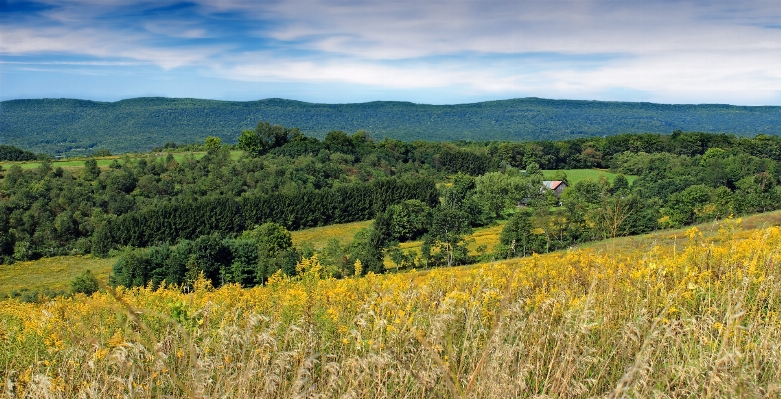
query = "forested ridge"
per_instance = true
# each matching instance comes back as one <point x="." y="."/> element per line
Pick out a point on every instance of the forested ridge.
<point x="78" y="127"/>
<point x="229" y="218"/>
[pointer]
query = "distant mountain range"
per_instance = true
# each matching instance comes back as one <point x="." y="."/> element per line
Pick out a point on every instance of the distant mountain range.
<point x="76" y="127"/>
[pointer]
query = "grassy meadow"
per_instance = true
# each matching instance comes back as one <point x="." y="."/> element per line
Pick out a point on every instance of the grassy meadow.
<point x="487" y="237"/>
<point x="683" y="313"/>
<point x="104" y="162"/>
<point x="53" y="274"/>
<point x="318" y="237"/>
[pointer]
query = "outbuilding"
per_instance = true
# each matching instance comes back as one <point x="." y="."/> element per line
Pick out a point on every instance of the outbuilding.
<point x="557" y="186"/>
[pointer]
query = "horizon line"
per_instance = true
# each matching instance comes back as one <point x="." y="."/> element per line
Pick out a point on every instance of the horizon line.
<point x="385" y="101"/>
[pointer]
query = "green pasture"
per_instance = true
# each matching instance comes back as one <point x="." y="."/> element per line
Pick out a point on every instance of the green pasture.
<point x="576" y="175"/>
<point x="104" y="162"/>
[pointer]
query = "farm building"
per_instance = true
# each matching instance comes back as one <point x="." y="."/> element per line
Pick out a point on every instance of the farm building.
<point x="557" y="186"/>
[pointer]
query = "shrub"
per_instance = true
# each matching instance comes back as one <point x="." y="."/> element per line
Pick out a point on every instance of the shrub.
<point x="86" y="283"/>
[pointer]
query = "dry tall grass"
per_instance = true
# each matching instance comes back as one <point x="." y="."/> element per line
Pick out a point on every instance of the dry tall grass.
<point x="696" y="322"/>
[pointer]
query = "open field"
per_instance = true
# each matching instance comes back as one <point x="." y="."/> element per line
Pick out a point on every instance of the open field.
<point x="51" y="273"/>
<point x="698" y="318"/>
<point x="576" y="175"/>
<point x="318" y="236"/>
<point x="484" y="236"/>
<point x="104" y="162"/>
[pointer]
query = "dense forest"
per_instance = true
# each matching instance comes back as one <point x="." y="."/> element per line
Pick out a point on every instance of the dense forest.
<point x="229" y="217"/>
<point x="78" y="127"/>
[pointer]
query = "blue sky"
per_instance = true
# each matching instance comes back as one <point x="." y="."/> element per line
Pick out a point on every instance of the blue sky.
<point x="438" y="52"/>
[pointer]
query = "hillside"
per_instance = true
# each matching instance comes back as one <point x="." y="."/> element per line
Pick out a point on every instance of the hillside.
<point x="695" y="319"/>
<point x="75" y="127"/>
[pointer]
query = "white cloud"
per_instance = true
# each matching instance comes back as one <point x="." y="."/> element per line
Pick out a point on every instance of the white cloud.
<point x="101" y="44"/>
<point x="403" y="29"/>
<point x="665" y="49"/>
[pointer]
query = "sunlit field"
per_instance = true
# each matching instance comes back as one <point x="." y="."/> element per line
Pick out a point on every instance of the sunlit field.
<point x="318" y="236"/>
<point x="53" y="274"/>
<point x="699" y="318"/>
<point x="482" y="240"/>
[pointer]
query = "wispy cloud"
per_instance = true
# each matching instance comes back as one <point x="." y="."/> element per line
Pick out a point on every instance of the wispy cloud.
<point x="672" y="51"/>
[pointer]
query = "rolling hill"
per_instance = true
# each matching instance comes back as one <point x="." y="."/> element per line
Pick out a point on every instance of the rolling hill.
<point x="76" y="127"/>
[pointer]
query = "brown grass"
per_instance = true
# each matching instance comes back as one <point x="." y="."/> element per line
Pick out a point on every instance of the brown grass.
<point x="699" y="318"/>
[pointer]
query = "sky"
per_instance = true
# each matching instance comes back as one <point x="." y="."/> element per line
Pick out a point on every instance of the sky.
<point x="434" y="52"/>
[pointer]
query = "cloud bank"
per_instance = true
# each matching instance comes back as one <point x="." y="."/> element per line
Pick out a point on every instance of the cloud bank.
<point x="442" y="51"/>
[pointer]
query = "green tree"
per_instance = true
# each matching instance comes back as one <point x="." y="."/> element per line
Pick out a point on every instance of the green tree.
<point x="213" y="143"/>
<point x="533" y="169"/>
<point x="65" y="226"/>
<point x="23" y="250"/>
<point x="560" y="175"/>
<point x="101" y="152"/>
<point x="610" y="219"/>
<point x="449" y="227"/>
<point x="85" y="283"/>
<point x="620" y="185"/>
<point x="250" y="141"/>
<point x="408" y="220"/>
<point x="242" y="270"/>
<point x="367" y="246"/>
<point x="91" y="170"/>
<point x="335" y="259"/>
<point x="275" y="249"/>
<point x="339" y="141"/>
<point x="516" y="238"/>
<point x="681" y="207"/>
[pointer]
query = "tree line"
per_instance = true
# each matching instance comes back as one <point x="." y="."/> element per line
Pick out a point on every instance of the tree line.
<point x="11" y="153"/>
<point x="248" y="259"/>
<point x="296" y="181"/>
<point x="171" y="222"/>
<point x="284" y="177"/>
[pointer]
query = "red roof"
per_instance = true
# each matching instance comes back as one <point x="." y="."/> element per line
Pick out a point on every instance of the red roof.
<point x="552" y="184"/>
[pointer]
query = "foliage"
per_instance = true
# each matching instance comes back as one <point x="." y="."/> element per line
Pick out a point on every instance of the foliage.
<point x="223" y="215"/>
<point x="49" y="210"/>
<point x="159" y="201"/>
<point x="213" y="143"/>
<point x="266" y="137"/>
<point x="86" y="283"/>
<point x="448" y="228"/>
<point x="11" y="153"/>
<point x="249" y="260"/>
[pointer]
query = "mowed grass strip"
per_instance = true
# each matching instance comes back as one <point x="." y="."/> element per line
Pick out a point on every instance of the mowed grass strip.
<point x="53" y="273"/>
